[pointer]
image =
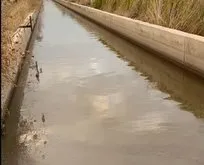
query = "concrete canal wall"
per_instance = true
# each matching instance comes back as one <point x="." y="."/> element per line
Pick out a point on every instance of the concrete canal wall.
<point x="20" y="43"/>
<point x="184" y="49"/>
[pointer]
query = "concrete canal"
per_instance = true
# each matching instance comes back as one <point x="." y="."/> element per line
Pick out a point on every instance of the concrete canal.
<point x="95" y="98"/>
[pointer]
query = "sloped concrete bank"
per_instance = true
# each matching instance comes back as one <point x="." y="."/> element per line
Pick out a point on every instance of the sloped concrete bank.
<point x="184" y="49"/>
<point x="20" y="44"/>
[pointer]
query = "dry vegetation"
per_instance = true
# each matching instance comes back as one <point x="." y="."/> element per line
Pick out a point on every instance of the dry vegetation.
<point x="82" y="2"/>
<point x="13" y="14"/>
<point x="184" y="15"/>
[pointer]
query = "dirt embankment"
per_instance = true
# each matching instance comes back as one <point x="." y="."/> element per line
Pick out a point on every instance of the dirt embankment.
<point x="13" y="15"/>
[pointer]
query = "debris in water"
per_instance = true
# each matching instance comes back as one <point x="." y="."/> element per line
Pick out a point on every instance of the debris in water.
<point x="43" y="156"/>
<point x="37" y="76"/>
<point x="36" y="64"/>
<point x="43" y="118"/>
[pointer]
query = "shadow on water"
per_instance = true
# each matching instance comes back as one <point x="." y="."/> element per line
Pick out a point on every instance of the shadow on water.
<point x="182" y="86"/>
<point x="15" y="124"/>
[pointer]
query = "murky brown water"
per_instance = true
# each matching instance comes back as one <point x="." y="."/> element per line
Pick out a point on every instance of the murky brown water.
<point x="101" y="100"/>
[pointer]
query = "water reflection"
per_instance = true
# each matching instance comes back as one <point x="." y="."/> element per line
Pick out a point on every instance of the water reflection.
<point x="180" y="85"/>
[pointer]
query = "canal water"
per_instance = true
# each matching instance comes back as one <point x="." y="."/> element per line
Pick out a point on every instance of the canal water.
<point x="96" y="99"/>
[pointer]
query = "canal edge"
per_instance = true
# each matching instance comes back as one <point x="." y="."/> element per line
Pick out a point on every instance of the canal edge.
<point x="24" y="33"/>
<point x="180" y="48"/>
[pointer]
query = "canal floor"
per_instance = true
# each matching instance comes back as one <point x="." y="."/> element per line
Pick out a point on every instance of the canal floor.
<point x="97" y="99"/>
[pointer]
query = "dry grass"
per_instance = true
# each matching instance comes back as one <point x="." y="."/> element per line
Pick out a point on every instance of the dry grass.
<point x="13" y="14"/>
<point x="82" y="2"/>
<point x="184" y="15"/>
